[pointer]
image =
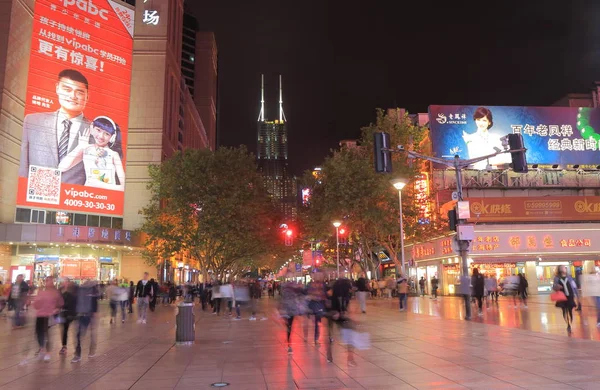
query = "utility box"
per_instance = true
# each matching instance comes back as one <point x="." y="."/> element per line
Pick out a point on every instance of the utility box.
<point x="465" y="232"/>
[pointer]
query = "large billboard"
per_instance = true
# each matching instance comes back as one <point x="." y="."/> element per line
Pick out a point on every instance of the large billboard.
<point x="73" y="149"/>
<point x="552" y="135"/>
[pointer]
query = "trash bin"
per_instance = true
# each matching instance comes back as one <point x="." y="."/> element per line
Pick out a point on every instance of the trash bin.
<point x="186" y="326"/>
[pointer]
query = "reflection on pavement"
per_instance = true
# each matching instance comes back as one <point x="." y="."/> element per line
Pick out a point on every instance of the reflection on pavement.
<point x="540" y="316"/>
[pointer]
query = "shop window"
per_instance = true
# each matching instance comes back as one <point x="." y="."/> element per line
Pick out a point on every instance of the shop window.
<point x="23" y="215"/>
<point x="105" y="222"/>
<point x="80" y="220"/>
<point x="93" y="220"/>
<point x="117" y="223"/>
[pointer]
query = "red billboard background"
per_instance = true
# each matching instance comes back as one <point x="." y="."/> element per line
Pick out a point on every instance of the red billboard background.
<point x="95" y="38"/>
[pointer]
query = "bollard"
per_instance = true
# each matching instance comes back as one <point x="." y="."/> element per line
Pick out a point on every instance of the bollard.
<point x="185" y="325"/>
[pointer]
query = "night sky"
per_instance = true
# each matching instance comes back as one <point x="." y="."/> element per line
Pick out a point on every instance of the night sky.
<point x="340" y="62"/>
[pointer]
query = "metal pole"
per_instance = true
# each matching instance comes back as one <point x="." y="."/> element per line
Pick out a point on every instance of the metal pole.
<point x="463" y="246"/>
<point x="401" y="234"/>
<point x="337" y="244"/>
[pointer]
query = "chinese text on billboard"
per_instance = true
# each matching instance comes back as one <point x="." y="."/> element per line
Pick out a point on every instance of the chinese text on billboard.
<point x="73" y="149"/>
<point x="552" y="135"/>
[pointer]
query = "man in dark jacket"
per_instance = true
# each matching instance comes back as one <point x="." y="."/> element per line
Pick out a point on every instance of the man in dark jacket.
<point x="478" y="284"/>
<point x="69" y="310"/>
<point x="87" y="307"/>
<point x="144" y="292"/>
<point x="17" y="298"/>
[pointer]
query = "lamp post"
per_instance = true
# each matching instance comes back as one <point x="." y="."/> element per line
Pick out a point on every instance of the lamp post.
<point x="399" y="184"/>
<point x="337" y="225"/>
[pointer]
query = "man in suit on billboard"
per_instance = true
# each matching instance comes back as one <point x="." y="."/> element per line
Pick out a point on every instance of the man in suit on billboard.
<point x="49" y="136"/>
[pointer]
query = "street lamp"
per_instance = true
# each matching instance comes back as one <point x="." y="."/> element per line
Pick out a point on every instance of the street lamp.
<point x="399" y="184"/>
<point x="337" y="225"/>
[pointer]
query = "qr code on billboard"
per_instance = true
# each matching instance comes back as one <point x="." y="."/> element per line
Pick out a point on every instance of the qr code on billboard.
<point x="43" y="185"/>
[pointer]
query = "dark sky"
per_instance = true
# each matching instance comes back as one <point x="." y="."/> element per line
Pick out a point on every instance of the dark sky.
<point x="340" y="61"/>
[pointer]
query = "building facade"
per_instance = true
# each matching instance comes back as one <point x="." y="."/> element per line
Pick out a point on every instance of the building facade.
<point x="150" y="115"/>
<point x="272" y="158"/>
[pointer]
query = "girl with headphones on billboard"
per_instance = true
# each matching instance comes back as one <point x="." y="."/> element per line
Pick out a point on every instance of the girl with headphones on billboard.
<point x="102" y="159"/>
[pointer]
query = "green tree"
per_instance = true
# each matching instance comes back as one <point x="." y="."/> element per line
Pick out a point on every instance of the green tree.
<point x="350" y="190"/>
<point x="212" y="207"/>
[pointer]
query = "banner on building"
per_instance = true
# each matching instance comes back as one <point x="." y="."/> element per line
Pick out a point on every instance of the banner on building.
<point x="542" y="209"/>
<point x="552" y="135"/>
<point x="73" y="148"/>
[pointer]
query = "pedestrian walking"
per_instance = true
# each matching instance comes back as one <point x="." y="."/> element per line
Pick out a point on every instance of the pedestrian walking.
<point x="144" y="292"/>
<point x="434" y="287"/>
<point x="402" y="283"/>
<point x="241" y="297"/>
<point x="293" y="304"/>
<point x="17" y="299"/>
<point x="478" y="283"/>
<point x="523" y="286"/>
<point x="491" y="285"/>
<point x="87" y="307"/>
<point x="152" y="300"/>
<point x="47" y="304"/>
<point x="68" y="312"/>
<point x="422" y="286"/>
<point x="565" y="284"/>
<point x="2" y="296"/>
<point x="317" y="295"/>
<point x="118" y="296"/>
<point x="131" y="296"/>
<point x="362" y="286"/>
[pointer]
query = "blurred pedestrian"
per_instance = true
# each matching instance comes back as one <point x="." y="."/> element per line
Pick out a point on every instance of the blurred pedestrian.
<point x="87" y="307"/>
<point x="69" y="311"/>
<point x="362" y="286"/>
<point x="402" y="283"/>
<point x="293" y="304"/>
<point x="422" y="286"/>
<point x="131" y="296"/>
<point x="478" y="283"/>
<point x="47" y="304"/>
<point x="491" y="285"/>
<point x="434" y="287"/>
<point x="523" y="286"/>
<point x="17" y="299"/>
<point x="317" y="295"/>
<point x="565" y="283"/>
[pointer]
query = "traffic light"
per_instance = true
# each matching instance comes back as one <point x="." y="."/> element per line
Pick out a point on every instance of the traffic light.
<point x="452" y="219"/>
<point x="383" y="156"/>
<point x="289" y="237"/>
<point x="519" y="159"/>
<point x="342" y="237"/>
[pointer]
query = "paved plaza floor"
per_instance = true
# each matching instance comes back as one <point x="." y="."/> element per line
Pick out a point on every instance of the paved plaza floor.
<point x="425" y="348"/>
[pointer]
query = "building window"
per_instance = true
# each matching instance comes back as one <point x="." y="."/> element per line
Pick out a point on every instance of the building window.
<point x="117" y="223"/>
<point x="23" y="215"/>
<point x="93" y="220"/>
<point x="105" y="222"/>
<point x="38" y="216"/>
<point x="80" y="220"/>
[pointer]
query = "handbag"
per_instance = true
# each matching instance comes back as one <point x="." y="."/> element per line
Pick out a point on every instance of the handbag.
<point x="558" y="296"/>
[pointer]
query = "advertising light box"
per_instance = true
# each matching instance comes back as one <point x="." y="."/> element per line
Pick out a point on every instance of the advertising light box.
<point x="552" y="135"/>
<point x="73" y="148"/>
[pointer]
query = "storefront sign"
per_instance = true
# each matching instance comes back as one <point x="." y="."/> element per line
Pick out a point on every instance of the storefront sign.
<point x="70" y="269"/>
<point x="89" y="269"/>
<point x="515" y="239"/>
<point x="40" y="258"/>
<point x="526" y="209"/>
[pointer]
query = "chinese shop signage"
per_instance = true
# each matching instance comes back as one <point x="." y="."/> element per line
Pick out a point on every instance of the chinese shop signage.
<point x="527" y="209"/>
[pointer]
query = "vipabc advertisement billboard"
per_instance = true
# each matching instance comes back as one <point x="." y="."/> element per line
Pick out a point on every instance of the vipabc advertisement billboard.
<point x="552" y="135"/>
<point x="73" y="148"/>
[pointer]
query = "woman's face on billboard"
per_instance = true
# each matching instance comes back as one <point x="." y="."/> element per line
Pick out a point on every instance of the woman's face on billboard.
<point x="482" y="123"/>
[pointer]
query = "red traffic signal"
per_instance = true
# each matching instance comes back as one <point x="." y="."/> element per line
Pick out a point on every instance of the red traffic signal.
<point x="342" y="231"/>
<point x="289" y="232"/>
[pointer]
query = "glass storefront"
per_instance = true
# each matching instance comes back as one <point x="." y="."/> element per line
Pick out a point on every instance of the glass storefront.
<point x="75" y="261"/>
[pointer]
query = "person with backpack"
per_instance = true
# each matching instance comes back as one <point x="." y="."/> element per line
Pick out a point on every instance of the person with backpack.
<point x="478" y="283"/>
